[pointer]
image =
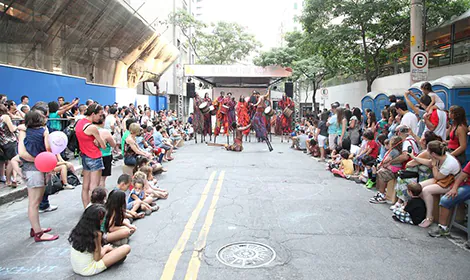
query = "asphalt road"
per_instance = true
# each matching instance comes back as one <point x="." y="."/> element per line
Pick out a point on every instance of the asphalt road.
<point x="320" y="227"/>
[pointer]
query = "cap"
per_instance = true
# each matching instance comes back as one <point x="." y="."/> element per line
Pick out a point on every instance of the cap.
<point x="335" y="105"/>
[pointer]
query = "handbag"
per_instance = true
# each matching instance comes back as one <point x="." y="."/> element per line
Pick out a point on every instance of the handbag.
<point x="72" y="179"/>
<point x="446" y="181"/>
<point x="54" y="185"/>
<point x="130" y="160"/>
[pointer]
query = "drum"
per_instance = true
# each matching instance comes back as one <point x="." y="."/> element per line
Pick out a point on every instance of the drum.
<point x="204" y="108"/>
<point x="224" y="109"/>
<point x="287" y="112"/>
<point x="212" y="110"/>
<point x="269" y="112"/>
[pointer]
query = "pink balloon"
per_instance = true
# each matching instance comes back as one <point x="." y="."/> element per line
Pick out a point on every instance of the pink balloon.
<point x="58" y="141"/>
<point x="45" y="162"/>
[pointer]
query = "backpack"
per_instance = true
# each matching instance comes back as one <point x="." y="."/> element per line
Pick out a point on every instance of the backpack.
<point x="72" y="144"/>
<point x="54" y="185"/>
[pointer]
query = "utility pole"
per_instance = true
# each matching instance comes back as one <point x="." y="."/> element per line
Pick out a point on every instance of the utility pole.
<point x="416" y="44"/>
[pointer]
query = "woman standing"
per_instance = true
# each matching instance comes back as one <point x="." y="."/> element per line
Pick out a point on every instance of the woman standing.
<point x="242" y="113"/>
<point x="198" y="118"/>
<point x="8" y="143"/>
<point x="107" y="153"/>
<point x="342" y="125"/>
<point x="457" y="143"/>
<point x="232" y="117"/>
<point x="87" y="133"/>
<point x="372" y="122"/>
<point x="355" y="124"/>
<point x="286" y="121"/>
<point x="207" y="130"/>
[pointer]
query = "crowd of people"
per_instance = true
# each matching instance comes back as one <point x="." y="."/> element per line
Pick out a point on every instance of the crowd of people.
<point x="99" y="136"/>
<point x="415" y="146"/>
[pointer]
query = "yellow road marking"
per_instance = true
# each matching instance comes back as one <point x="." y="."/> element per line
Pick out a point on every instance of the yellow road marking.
<point x="172" y="262"/>
<point x="195" y="262"/>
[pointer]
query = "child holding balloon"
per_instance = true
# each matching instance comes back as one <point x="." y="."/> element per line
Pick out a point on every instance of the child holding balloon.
<point x="33" y="149"/>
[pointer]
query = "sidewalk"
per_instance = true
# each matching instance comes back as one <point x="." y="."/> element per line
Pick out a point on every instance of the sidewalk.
<point x="11" y="194"/>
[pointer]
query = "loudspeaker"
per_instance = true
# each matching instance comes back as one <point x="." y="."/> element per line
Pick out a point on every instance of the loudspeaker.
<point x="190" y="90"/>
<point x="289" y="89"/>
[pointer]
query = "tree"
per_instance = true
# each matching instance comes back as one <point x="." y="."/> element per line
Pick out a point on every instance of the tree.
<point x="227" y="43"/>
<point x="364" y="29"/>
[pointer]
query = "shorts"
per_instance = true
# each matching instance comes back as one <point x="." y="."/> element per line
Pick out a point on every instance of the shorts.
<point x="463" y="194"/>
<point x="331" y="141"/>
<point x="92" y="164"/>
<point x="321" y="141"/>
<point x="84" y="264"/>
<point x="386" y="175"/>
<point x="34" y="177"/>
<point x="107" y="160"/>
<point x="165" y="147"/>
<point x="10" y="150"/>
<point x="130" y="205"/>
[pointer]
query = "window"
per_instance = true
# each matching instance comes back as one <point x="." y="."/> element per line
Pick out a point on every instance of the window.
<point x="461" y="51"/>
<point x="439" y="56"/>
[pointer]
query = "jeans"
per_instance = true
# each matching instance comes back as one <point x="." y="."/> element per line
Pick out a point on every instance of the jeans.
<point x="463" y="193"/>
<point x="44" y="202"/>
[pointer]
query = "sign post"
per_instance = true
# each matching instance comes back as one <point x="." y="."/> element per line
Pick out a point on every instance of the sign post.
<point x="419" y="67"/>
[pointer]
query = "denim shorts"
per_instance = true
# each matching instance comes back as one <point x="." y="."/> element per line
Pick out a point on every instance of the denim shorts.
<point x="92" y="164"/>
<point x="463" y="193"/>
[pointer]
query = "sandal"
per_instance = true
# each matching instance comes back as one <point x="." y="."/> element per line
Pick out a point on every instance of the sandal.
<point x="44" y="230"/>
<point x="426" y="223"/>
<point x="38" y="235"/>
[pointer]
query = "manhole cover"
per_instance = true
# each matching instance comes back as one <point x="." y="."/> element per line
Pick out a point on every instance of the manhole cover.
<point x="246" y="254"/>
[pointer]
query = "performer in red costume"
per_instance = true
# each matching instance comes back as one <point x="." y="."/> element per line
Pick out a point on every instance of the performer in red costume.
<point x="242" y="114"/>
<point x="287" y="107"/>
<point x="221" y="116"/>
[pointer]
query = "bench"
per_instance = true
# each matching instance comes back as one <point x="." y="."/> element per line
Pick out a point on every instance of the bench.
<point x="453" y="222"/>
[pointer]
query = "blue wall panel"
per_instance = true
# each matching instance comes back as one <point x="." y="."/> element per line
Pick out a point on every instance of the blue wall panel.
<point x="47" y="87"/>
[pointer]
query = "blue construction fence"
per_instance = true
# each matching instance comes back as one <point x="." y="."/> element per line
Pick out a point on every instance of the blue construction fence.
<point x="45" y="86"/>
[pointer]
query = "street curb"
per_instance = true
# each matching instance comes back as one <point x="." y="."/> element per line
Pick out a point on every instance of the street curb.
<point x="21" y="191"/>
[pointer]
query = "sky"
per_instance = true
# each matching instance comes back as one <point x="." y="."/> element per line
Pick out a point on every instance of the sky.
<point x="261" y="17"/>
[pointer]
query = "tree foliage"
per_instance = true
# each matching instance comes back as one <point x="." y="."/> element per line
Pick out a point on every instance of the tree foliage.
<point x="219" y="43"/>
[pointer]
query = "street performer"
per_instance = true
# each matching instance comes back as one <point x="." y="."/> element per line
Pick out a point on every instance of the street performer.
<point x="207" y="119"/>
<point x="259" y="120"/>
<point x="242" y="114"/>
<point x="198" y="119"/>
<point x="287" y="107"/>
<point x="221" y="116"/>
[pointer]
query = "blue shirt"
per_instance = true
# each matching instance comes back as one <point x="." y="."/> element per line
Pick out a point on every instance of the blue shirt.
<point x="141" y="196"/>
<point x="333" y="127"/>
<point x="157" y="139"/>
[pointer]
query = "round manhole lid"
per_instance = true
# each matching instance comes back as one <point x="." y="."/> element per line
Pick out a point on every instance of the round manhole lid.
<point x="246" y="254"/>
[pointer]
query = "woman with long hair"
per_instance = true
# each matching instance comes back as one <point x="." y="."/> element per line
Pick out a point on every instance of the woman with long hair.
<point x="259" y="121"/>
<point x="116" y="229"/>
<point x="457" y="143"/>
<point x="242" y="114"/>
<point x="355" y="124"/>
<point x="372" y="122"/>
<point x="444" y="168"/>
<point x="342" y="125"/>
<point x="8" y="144"/>
<point x="87" y="255"/>
<point x="198" y="118"/>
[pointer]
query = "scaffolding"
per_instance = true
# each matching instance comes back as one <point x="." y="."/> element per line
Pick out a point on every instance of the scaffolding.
<point x="85" y="38"/>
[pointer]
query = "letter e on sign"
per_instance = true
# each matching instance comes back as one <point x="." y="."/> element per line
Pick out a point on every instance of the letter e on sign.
<point x="420" y="60"/>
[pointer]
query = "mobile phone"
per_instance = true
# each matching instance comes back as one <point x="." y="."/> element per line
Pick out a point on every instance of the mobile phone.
<point x="410" y="149"/>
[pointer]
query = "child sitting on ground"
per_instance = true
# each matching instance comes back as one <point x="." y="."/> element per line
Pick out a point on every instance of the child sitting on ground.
<point x="98" y="196"/>
<point x="371" y="149"/>
<point x="346" y="166"/>
<point x="415" y="209"/>
<point x="124" y="182"/>
<point x="151" y="187"/>
<point x="116" y="229"/>
<point x="87" y="255"/>
<point x="139" y="199"/>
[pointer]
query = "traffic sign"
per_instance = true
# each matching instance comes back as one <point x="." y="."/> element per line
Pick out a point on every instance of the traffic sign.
<point x="419" y="66"/>
<point x="324" y="93"/>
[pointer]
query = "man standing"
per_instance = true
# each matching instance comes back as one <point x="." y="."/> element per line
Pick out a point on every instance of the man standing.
<point x="286" y="117"/>
<point x="61" y="101"/>
<point x="332" y="126"/>
<point x="408" y="119"/>
<point x="221" y="115"/>
<point x="24" y="102"/>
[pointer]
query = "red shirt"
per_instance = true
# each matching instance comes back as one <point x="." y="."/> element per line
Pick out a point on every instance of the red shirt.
<point x="434" y="118"/>
<point x="466" y="169"/>
<point x="374" y="147"/>
<point x="86" y="142"/>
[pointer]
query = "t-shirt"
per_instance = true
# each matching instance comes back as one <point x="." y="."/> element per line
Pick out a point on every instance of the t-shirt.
<point x="54" y="124"/>
<point x="127" y="192"/>
<point x="421" y="124"/>
<point x="157" y="139"/>
<point x="144" y="120"/>
<point x="109" y="122"/>
<point x="123" y="140"/>
<point x="417" y="210"/>
<point x="410" y="142"/>
<point x="382" y="125"/>
<point x="374" y="148"/>
<point x="439" y="120"/>
<point x="410" y="120"/>
<point x="141" y="196"/>
<point x="439" y="103"/>
<point x="323" y="129"/>
<point x="450" y="166"/>
<point x="302" y="141"/>
<point x="348" y="166"/>
<point x="466" y="169"/>
<point x="393" y="154"/>
<point x="333" y="125"/>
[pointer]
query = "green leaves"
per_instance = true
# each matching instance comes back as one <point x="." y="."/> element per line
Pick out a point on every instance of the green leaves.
<point x="220" y="43"/>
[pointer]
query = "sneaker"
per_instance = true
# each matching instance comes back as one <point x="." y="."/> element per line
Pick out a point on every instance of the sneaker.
<point x="69" y="187"/>
<point x="395" y="206"/>
<point x="49" y="209"/>
<point x="370" y="184"/>
<point x="379" y="198"/>
<point x="439" y="232"/>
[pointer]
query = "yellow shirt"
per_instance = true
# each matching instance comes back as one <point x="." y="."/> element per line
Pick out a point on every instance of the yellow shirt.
<point x="347" y="166"/>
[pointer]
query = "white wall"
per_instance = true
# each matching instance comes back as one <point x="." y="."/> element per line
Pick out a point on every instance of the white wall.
<point x="352" y="93"/>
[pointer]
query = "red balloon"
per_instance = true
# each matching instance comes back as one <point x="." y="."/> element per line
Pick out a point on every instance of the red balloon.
<point x="45" y="162"/>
